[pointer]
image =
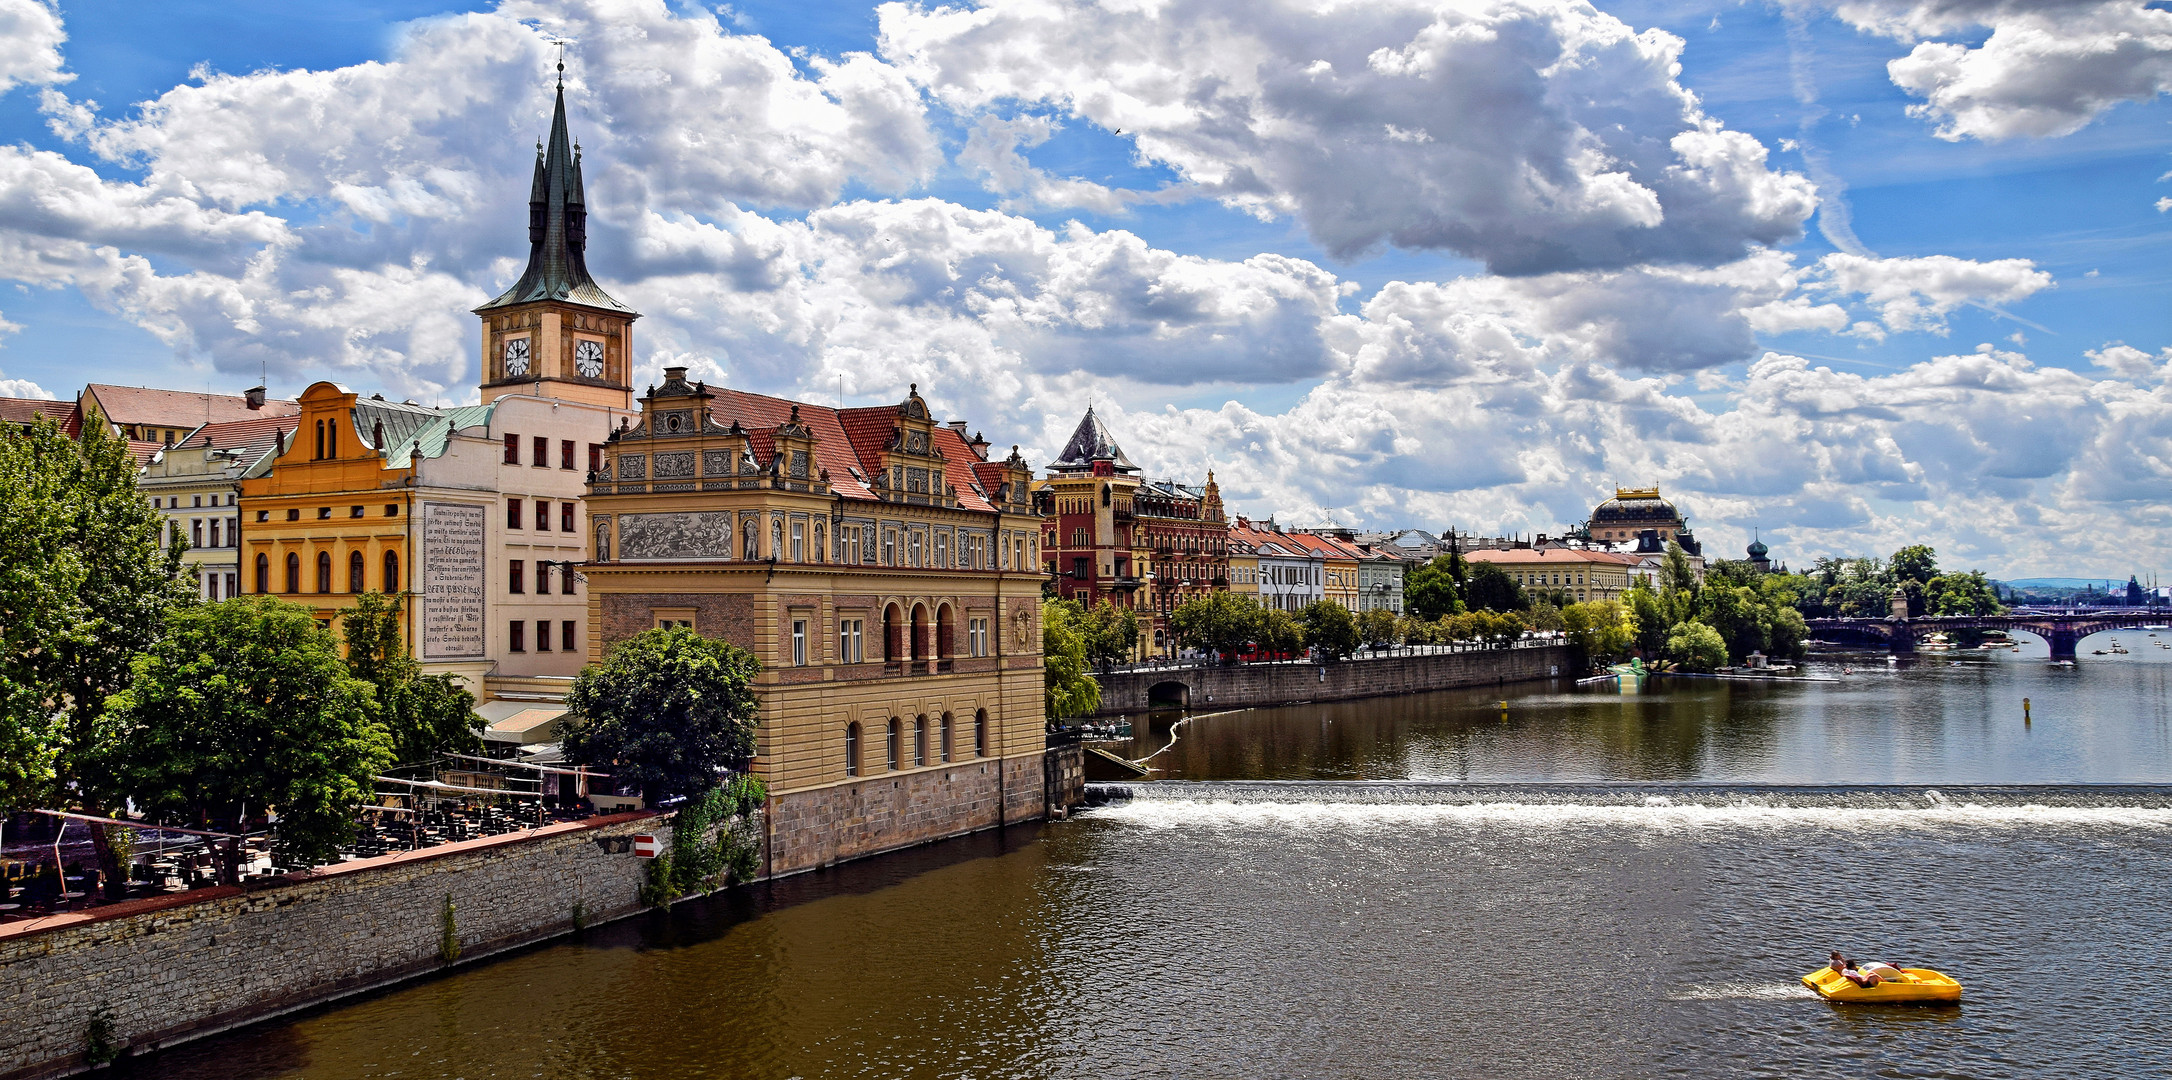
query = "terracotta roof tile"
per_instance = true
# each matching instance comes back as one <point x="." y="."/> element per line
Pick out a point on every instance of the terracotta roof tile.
<point x="178" y="408"/>
<point x="22" y="410"/>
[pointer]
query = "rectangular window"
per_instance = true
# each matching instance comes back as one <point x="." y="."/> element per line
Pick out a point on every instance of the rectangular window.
<point x="889" y="547"/>
<point x="565" y="517"/>
<point x="513" y="574"/>
<point x="799" y="541"/>
<point x="392" y="509"/>
<point x="233" y="581"/>
<point x="354" y="511"/>
<point x="849" y="646"/>
<point x="324" y="513"/>
<point x="565" y="636"/>
<point x="799" y="643"/>
<point x="519" y="641"/>
<point x="670" y="624"/>
<point x="595" y="457"/>
<point x="565" y="453"/>
<point x="542" y="452"/>
<point x="542" y="515"/>
<point x="976" y="634"/>
<point x="512" y="513"/>
<point x="196" y="532"/>
<point x="542" y="578"/>
<point x="196" y="501"/>
<point x="543" y="635"/>
<point x="512" y="449"/>
<point x="216" y="523"/>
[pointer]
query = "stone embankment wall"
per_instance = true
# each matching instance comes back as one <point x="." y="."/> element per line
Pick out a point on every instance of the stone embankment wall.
<point x="167" y="969"/>
<point x="825" y="825"/>
<point x="1244" y="685"/>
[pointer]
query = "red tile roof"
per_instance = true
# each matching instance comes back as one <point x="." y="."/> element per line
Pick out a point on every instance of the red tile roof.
<point x="1547" y="556"/>
<point x="845" y="439"/>
<point x="23" y="410"/>
<point x="183" y="409"/>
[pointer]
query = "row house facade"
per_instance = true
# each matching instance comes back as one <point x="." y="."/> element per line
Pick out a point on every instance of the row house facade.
<point x="886" y="573"/>
<point x="196" y="486"/>
<point x="1583" y="573"/>
<point x="1281" y="571"/>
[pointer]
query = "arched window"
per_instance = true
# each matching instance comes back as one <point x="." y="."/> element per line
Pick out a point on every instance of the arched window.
<point x="896" y="737"/>
<point x="324" y="571"/>
<point x="294" y="572"/>
<point x="980" y="733"/>
<point x="392" y="571"/>
<point x="920" y="741"/>
<point x="263" y="573"/>
<point x="919" y="643"/>
<point x="893" y="643"/>
<point x="852" y="749"/>
<point x="355" y="581"/>
<point x="944" y="628"/>
<point x="946" y="738"/>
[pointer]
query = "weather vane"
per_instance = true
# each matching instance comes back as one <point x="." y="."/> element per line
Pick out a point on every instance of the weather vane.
<point x="562" y="43"/>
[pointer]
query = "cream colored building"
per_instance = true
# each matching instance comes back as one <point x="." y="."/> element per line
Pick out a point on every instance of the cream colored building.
<point x="1583" y="574"/>
<point x="196" y="484"/>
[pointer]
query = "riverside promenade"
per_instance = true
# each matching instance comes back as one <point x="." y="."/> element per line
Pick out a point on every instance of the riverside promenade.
<point x="1284" y="682"/>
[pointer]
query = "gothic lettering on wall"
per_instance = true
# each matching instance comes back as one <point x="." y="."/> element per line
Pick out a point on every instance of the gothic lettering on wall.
<point x="452" y="581"/>
<point x="693" y="535"/>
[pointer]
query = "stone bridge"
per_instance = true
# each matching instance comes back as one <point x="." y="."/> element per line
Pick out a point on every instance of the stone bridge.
<point x="2062" y="628"/>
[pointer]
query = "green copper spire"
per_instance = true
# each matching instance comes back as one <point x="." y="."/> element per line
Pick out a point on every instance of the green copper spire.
<point x="557" y="227"/>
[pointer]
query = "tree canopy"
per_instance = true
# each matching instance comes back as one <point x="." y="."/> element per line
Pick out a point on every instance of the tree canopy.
<point x="1603" y="630"/>
<point x="1436" y="588"/>
<point x="1111" y="633"/>
<point x="668" y="710"/>
<point x="245" y="705"/>
<point x="1330" y="629"/>
<point x="1217" y="622"/>
<point x="1493" y="589"/>
<point x="425" y="715"/>
<point x="1070" y="690"/>
<point x="1693" y="646"/>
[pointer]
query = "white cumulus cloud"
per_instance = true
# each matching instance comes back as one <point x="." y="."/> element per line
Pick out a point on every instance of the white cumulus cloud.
<point x="1535" y="135"/>
<point x="31" y="34"/>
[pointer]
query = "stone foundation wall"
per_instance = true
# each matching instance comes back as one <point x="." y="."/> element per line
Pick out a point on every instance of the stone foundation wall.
<point x="1244" y="685"/>
<point x="819" y="826"/>
<point x="167" y="969"/>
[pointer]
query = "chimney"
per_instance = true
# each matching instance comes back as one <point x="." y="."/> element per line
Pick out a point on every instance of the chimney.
<point x="254" y="396"/>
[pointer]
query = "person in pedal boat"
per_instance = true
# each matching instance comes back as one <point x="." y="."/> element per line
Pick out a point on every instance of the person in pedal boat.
<point x="1867" y="973"/>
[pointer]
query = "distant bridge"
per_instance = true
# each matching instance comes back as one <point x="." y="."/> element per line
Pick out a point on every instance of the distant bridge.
<point x="2062" y="628"/>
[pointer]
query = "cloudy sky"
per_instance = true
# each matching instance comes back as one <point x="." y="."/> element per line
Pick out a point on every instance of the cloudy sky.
<point x="1855" y="273"/>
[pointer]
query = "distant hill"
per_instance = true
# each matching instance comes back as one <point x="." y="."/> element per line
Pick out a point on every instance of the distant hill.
<point x="2058" y="583"/>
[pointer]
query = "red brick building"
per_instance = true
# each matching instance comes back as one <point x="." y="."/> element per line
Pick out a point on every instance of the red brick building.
<point x="1110" y="534"/>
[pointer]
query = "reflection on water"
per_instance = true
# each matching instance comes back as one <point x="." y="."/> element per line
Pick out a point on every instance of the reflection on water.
<point x="1519" y="932"/>
<point x="1956" y="718"/>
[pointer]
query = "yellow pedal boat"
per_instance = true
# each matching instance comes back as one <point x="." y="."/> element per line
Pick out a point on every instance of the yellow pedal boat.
<point x="1922" y="986"/>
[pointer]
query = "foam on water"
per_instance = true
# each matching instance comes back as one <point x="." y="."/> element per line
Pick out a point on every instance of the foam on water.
<point x="1744" y="992"/>
<point x="1359" y="805"/>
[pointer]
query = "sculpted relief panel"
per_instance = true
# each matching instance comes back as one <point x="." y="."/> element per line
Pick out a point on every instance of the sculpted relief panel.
<point x="698" y="535"/>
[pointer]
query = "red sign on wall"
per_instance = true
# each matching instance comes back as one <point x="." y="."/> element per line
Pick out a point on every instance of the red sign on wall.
<point x="646" y="846"/>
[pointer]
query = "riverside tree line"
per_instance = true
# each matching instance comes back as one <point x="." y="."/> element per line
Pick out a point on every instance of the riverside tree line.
<point x="1676" y="621"/>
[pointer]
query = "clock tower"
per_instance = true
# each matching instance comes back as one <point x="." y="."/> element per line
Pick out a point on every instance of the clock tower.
<point x="555" y="333"/>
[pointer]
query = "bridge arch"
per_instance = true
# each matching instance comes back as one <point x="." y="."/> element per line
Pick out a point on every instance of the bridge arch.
<point x="1169" y="694"/>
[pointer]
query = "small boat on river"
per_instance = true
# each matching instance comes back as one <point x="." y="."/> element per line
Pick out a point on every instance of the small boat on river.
<point x="1920" y="986"/>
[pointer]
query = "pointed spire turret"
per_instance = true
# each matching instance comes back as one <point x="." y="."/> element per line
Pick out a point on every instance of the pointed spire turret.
<point x="557" y="226"/>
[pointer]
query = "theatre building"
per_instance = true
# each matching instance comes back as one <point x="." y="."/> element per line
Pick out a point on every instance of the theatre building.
<point x="883" y="569"/>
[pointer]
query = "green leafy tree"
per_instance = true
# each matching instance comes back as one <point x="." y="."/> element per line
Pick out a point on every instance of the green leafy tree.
<point x="84" y="590"/>
<point x="1912" y="568"/>
<point x="1693" y="646"/>
<point x="1650" y="616"/>
<point x="1545" y="612"/>
<point x="1434" y="589"/>
<point x="1603" y="630"/>
<point x="1379" y="626"/>
<point x="1742" y="619"/>
<point x="1112" y="634"/>
<point x="668" y="710"/>
<point x="1962" y="594"/>
<point x="1279" y="632"/>
<point x="1329" y="629"/>
<point x="1219" y="622"/>
<point x="1500" y="629"/>
<point x="426" y="715"/>
<point x="1493" y="589"/>
<point x="1790" y="634"/>
<point x="1070" y="690"/>
<point x="1676" y="573"/>
<point x="245" y="706"/>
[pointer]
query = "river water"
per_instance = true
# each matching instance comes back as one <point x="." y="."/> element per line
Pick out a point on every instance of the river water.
<point x="1599" y="885"/>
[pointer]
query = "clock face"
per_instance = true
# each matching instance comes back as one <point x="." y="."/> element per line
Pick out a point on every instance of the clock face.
<point x="588" y="359"/>
<point x="516" y="357"/>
